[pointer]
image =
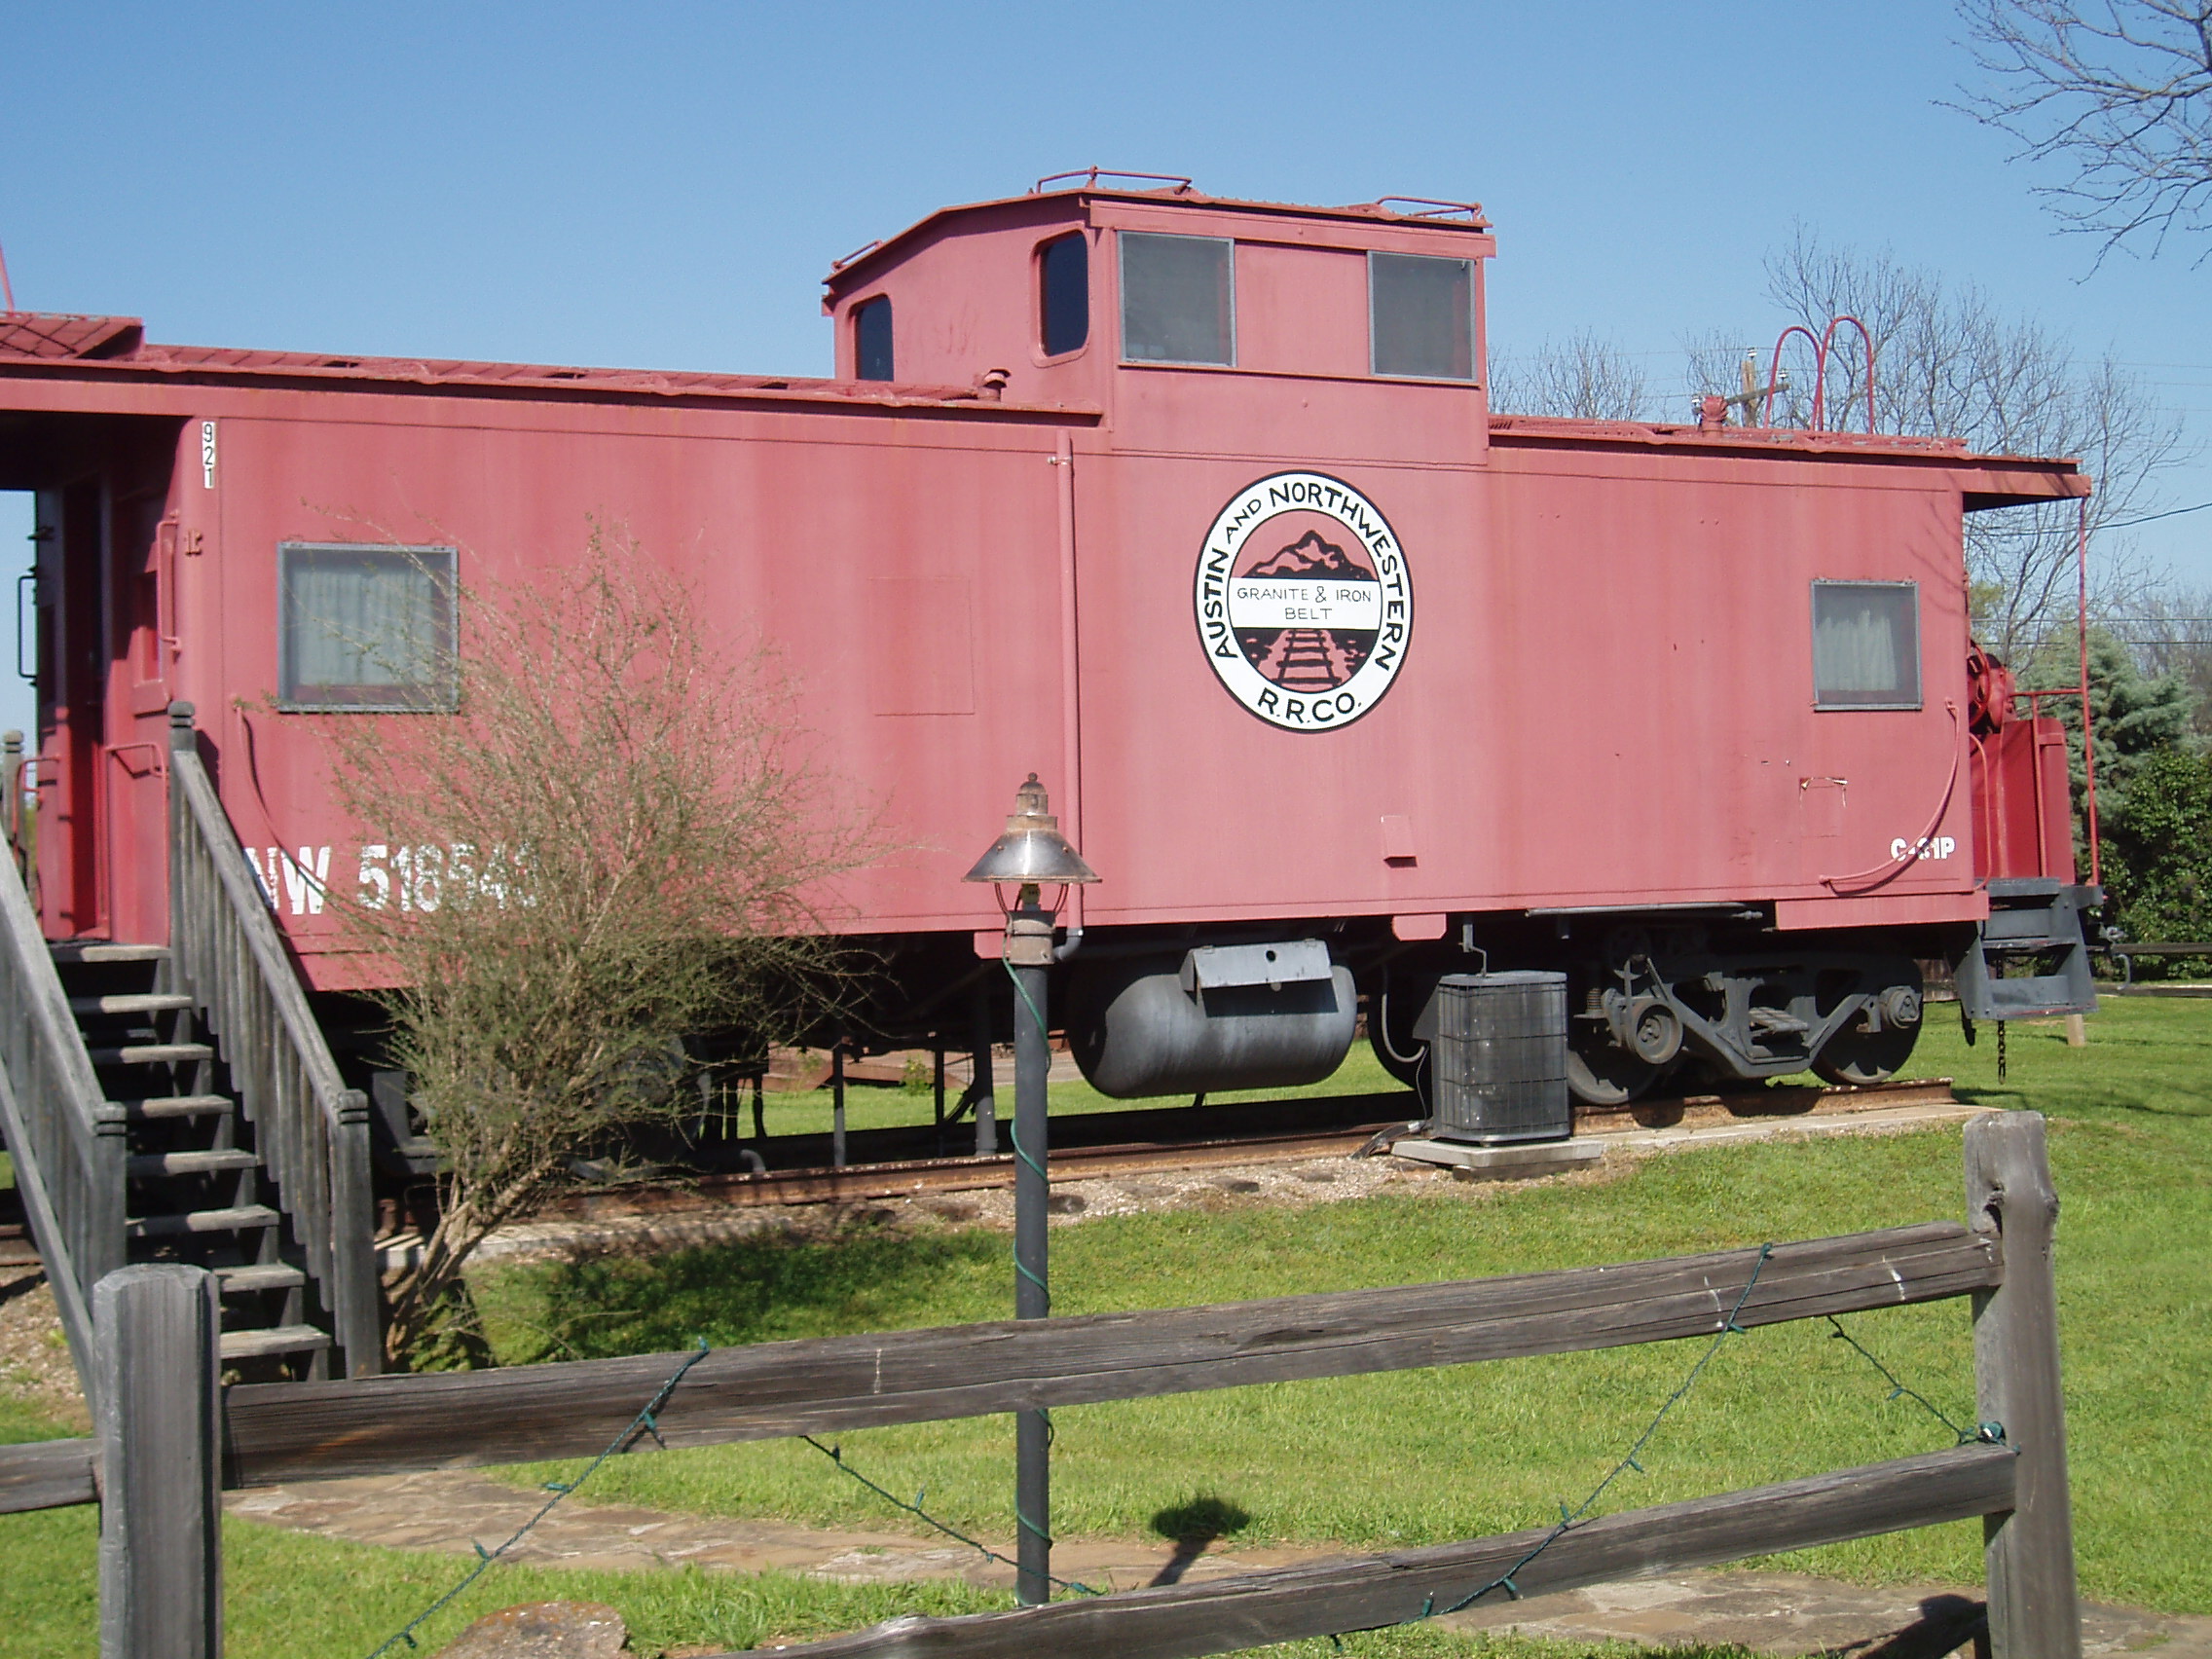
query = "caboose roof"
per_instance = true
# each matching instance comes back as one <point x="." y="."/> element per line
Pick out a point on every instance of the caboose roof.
<point x="40" y="345"/>
<point x="1075" y="201"/>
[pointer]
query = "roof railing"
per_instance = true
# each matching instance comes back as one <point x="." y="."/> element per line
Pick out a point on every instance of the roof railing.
<point x="1429" y="207"/>
<point x="1092" y="176"/>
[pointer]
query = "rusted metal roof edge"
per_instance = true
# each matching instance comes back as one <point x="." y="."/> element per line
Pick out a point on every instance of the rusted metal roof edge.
<point x="1769" y="443"/>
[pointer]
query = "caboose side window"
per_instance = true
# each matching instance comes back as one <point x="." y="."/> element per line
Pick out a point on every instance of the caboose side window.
<point x="365" y="626"/>
<point x="1421" y="314"/>
<point x="872" y="339"/>
<point x="1063" y="291"/>
<point x="1178" y="299"/>
<point x="1866" y="644"/>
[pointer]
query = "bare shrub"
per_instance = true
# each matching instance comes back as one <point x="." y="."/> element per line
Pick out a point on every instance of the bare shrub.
<point x="614" y="841"/>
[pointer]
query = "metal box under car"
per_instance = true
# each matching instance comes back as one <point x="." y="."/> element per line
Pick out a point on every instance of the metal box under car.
<point x="1497" y="1057"/>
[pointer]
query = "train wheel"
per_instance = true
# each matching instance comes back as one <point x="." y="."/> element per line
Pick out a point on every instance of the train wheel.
<point x="1604" y="1075"/>
<point x="1860" y="1056"/>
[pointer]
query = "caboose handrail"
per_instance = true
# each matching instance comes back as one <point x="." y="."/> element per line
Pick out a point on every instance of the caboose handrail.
<point x="313" y="1131"/>
<point x="65" y="1136"/>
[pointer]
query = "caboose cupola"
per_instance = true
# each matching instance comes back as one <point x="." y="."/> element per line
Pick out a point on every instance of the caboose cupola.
<point x="1088" y="292"/>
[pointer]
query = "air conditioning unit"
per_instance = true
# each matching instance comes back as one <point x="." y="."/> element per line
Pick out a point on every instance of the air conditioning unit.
<point x="1497" y="1057"/>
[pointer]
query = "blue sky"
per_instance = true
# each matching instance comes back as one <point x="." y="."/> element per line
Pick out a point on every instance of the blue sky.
<point x="663" y="185"/>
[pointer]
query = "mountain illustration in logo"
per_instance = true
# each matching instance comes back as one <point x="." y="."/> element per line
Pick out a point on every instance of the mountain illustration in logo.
<point x="1308" y="660"/>
<point x="1310" y="556"/>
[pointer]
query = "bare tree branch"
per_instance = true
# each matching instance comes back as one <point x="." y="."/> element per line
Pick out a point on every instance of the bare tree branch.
<point x="1582" y="377"/>
<point x="2120" y="90"/>
<point x="1948" y="363"/>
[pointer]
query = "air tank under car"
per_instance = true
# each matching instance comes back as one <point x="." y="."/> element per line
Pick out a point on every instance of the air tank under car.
<point x="1270" y="1016"/>
<point x="1195" y="507"/>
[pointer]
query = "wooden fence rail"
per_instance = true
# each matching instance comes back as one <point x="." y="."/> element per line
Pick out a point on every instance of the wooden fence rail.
<point x="286" y="1431"/>
<point x="1331" y="1597"/>
<point x="277" y="1432"/>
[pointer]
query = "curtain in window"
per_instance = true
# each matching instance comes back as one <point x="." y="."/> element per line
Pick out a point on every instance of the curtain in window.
<point x="364" y="624"/>
<point x="1865" y="643"/>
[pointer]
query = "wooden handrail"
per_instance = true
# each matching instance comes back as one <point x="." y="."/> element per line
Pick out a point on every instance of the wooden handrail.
<point x="66" y="1138"/>
<point x="312" y="1130"/>
<point x="189" y="775"/>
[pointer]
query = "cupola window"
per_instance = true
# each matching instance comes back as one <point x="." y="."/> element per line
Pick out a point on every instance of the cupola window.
<point x="1178" y="299"/>
<point x="872" y="339"/>
<point x="1063" y="285"/>
<point x="1421" y="316"/>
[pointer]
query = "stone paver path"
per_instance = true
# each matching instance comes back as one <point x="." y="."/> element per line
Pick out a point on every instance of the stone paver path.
<point x="1776" y="1613"/>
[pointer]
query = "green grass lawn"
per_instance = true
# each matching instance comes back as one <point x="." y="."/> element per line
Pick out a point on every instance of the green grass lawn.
<point x="1410" y="1456"/>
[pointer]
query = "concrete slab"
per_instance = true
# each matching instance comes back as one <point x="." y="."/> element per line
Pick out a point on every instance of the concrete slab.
<point x="1521" y="1163"/>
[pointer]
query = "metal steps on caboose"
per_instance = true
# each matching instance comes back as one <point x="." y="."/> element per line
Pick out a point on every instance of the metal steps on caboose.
<point x="196" y="1185"/>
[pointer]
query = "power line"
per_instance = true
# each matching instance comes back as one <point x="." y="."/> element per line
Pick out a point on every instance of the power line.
<point x="2147" y="518"/>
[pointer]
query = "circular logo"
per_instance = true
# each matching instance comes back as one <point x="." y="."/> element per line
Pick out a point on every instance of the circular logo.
<point x="1304" y="604"/>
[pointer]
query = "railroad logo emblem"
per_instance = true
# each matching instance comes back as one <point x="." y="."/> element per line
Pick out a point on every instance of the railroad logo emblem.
<point x="1304" y="603"/>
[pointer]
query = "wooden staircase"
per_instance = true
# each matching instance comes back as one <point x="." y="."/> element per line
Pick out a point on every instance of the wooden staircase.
<point x="178" y="1102"/>
<point x="197" y="1190"/>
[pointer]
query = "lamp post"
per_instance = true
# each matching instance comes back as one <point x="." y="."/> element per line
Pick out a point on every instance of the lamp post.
<point x="1031" y="856"/>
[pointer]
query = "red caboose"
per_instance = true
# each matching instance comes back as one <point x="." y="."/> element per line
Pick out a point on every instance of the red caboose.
<point x="1195" y="507"/>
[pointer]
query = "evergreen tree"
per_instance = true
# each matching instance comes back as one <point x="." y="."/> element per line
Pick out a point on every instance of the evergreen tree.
<point x="2159" y="852"/>
<point x="2132" y="715"/>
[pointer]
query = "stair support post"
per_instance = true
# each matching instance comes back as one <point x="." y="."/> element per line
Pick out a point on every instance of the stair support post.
<point x="103" y="1247"/>
<point x="161" y="1561"/>
<point x="356" y="1283"/>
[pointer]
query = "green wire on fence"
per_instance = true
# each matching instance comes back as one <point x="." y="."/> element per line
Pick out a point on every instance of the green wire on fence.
<point x="642" y="1422"/>
<point x="1983" y="1433"/>
<point x="1504" y="1581"/>
<point x="836" y="1456"/>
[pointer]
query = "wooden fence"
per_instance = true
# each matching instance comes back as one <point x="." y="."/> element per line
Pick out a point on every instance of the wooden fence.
<point x="170" y="1438"/>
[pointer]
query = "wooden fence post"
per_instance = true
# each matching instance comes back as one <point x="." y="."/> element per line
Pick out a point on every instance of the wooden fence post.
<point x="160" y="1464"/>
<point x="356" y="1283"/>
<point x="2029" y="1553"/>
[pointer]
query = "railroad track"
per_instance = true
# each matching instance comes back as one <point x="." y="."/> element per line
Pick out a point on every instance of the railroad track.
<point x="1093" y="1145"/>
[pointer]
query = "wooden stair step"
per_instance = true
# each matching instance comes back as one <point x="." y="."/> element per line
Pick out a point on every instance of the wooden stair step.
<point x="238" y="1218"/>
<point x="180" y="1106"/>
<point x="152" y="1054"/>
<point x="149" y="1164"/>
<point x="137" y="1001"/>
<point x="74" y="951"/>
<point x="261" y="1276"/>
<point x="277" y="1339"/>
